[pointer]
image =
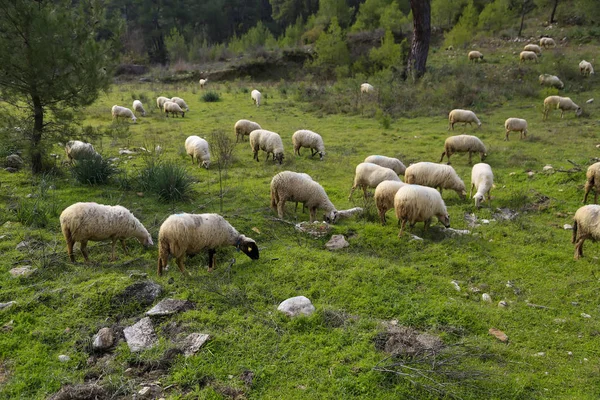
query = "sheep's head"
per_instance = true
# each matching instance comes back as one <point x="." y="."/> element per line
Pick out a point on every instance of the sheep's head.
<point x="331" y="217"/>
<point x="484" y="155"/>
<point x="146" y="240"/>
<point x="134" y="118"/>
<point x="444" y="219"/>
<point x="578" y="112"/>
<point x="206" y="164"/>
<point x="462" y="194"/>
<point x="248" y="246"/>
<point x="478" y="199"/>
<point x="279" y="157"/>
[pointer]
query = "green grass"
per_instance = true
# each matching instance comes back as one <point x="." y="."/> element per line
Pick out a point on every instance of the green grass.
<point x="378" y="278"/>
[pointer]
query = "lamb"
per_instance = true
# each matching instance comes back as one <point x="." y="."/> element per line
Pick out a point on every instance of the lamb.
<point x="562" y="103"/>
<point x="528" y="56"/>
<point x="515" y="125"/>
<point x="482" y="180"/>
<point x="310" y="139"/>
<point x="181" y="103"/>
<point x="475" y="56"/>
<point x="118" y="111"/>
<point x="593" y="181"/>
<point x="77" y="150"/>
<point x="466" y="116"/>
<point x="173" y="108"/>
<point x="268" y="141"/>
<point x="188" y="234"/>
<point x="586" y="68"/>
<point x="384" y="197"/>
<point x="436" y="176"/>
<point x="203" y="82"/>
<point x="533" y="47"/>
<point x="197" y="147"/>
<point x="546" y="42"/>
<point x="388" y="162"/>
<point x="138" y="107"/>
<point x="292" y="186"/>
<point x="367" y="88"/>
<point x="463" y="144"/>
<point x="370" y="175"/>
<point x="586" y="225"/>
<point x="243" y="128"/>
<point x="81" y="222"/>
<point x="160" y="101"/>
<point x="256" y="96"/>
<point x="551" y="80"/>
<point x="415" y="203"/>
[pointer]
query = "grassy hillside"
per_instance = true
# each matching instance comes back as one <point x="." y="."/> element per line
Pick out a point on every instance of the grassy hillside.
<point x="553" y="352"/>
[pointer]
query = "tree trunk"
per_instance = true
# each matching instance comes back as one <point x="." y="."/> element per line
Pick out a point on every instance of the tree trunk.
<point x="553" y="12"/>
<point x="419" y="48"/>
<point x="522" y="20"/>
<point x="36" y="137"/>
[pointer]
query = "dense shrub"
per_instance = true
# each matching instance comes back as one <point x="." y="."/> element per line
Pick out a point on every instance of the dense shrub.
<point x="94" y="171"/>
<point x="169" y="181"/>
<point x="211" y="97"/>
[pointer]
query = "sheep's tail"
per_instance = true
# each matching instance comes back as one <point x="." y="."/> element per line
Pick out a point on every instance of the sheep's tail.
<point x="164" y="250"/>
<point x="274" y="199"/>
<point x="574" y="237"/>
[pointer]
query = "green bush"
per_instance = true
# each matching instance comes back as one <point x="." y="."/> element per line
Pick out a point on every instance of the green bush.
<point x="211" y="97"/>
<point x="93" y="171"/>
<point x="169" y="181"/>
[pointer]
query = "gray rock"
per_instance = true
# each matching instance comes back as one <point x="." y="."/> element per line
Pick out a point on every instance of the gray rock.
<point x="145" y="391"/>
<point x="11" y="170"/>
<point x="415" y="237"/>
<point x="143" y="292"/>
<point x="295" y="306"/>
<point x="104" y="339"/>
<point x="14" y="161"/>
<point x="22" y="245"/>
<point x="590" y="101"/>
<point x="458" y="232"/>
<point x="502" y="304"/>
<point x="337" y="242"/>
<point x="126" y="152"/>
<point x="22" y="271"/>
<point x="567" y="226"/>
<point x="63" y="358"/>
<point x="7" y="304"/>
<point x="170" y="306"/>
<point x="456" y="285"/>
<point x="140" y="336"/>
<point x="193" y="342"/>
<point x="486" y="297"/>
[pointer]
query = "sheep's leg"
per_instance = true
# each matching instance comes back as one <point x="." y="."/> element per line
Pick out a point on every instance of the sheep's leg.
<point x="402" y="227"/>
<point x="470" y="156"/>
<point x="114" y="242"/>
<point x="506" y="136"/>
<point x="595" y="197"/>
<point x="443" y="154"/>
<point x="579" y="248"/>
<point x="364" y="188"/>
<point x="124" y="247"/>
<point x="588" y="187"/>
<point x="426" y="224"/>
<point x="448" y="154"/>
<point x="84" y="250"/>
<point x="211" y="259"/>
<point x="381" y="216"/>
<point x="180" y="264"/>
<point x="351" y="192"/>
<point x="192" y="156"/>
<point x="313" y="214"/>
<point x="562" y="113"/>
<point x="255" y="155"/>
<point x="441" y="190"/>
<point x="296" y="208"/>
<point x="280" y="208"/>
<point x="471" y="190"/>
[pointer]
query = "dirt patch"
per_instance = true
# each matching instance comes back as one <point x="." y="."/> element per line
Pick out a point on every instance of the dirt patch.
<point x="406" y="341"/>
<point x="229" y="392"/>
<point x="540" y="203"/>
<point x="88" y="391"/>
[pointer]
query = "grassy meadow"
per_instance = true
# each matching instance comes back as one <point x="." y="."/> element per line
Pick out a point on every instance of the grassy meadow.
<point x="553" y="352"/>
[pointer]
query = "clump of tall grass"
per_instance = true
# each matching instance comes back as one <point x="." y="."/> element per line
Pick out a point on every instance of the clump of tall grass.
<point x="169" y="181"/>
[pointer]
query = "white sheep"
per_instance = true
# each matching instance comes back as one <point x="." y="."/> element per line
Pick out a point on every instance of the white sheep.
<point x="256" y="96"/>
<point x="560" y="103"/>
<point x="293" y="186"/>
<point x="586" y="225"/>
<point x="138" y="107"/>
<point x="189" y="234"/>
<point x="384" y="197"/>
<point x="586" y="68"/>
<point x="389" y="162"/>
<point x="592" y="181"/>
<point x="181" y="103"/>
<point x="546" y="42"/>
<point x="475" y="56"/>
<point x="77" y="150"/>
<point x="533" y="47"/>
<point x="197" y="147"/>
<point x="367" y="88"/>
<point x="369" y="175"/>
<point x="160" y="101"/>
<point x="515" y="125"/>
<point x="482" y="180"/>
<point x="243" y="128"/>
<point x="436" y="176"/>
<point x="203" y="82"/>
<point x="466" y="116"/>
<point x="552" y="81"/>
<point x="415" y="203"/>
<point x="81" y="222"/>
<point x="527" y="56"/>
<point x="270" y="142"/>
<point x="309" y="139"/>
<point x="173" y="108"/>
<point x="464" y="144"/>
<point x="118" y="111"/>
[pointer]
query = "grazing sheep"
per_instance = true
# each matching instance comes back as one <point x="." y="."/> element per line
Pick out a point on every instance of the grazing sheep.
<point x="77" y="150"/>
<point x="310" y="139"/>
<point x="160" y="102"/>
<point x="551" y="80"/>
<point x="466" y="116"/>
<point x="292" y="186"/>
<point x="528" y="56"/>
<point x="256" y="96"/>
<point x="384" y="197"/>
<point x="562" y="103"/>
<point x="81" y="222"/>
<point x="181" y="103"/>
<point x="436" y="176"/>
<point x="118" y="111"/>
<point x="533" y="47"/>
<point x="367" y="88"/>
<point x="138" y="107"/>
<point x="415" y="203"/>
<point x="475" y="56"/>
<point x="270" y="142"/>
<point x="369" y="175"/>
<point x="173" y="108"/>
<point x="482" y="180"/>
<point x="592" y="181"/>
<point x="516" y="125"/>
<point x="189" y="234"/>
<point x="547" y="42"/>
<point x="203" y="82"/>
<point x="388" y="162"/>
<point x="243" y="128"/>
<point x="464" y="144"/>
<point x="586" y="225"/>
<point x="197" y="147"/>
<point x="586" y="68"/>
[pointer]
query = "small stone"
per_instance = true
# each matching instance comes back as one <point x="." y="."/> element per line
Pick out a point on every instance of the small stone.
<point x="474" y="289"/>
<point x="530" y="174"/>
<point x="548" y="168"/>
<point x="144" y="391"/>
<point x="574" y="303"/>
<point x="170" y="306"/>
<point x="193" y="342"/>
<point x="63" y="358"/>
<point x="567" y="226"/>
<point x="512" y="173"/>
<point x="486" y="297"/>
<point x="456" y="285"/>
<point x="569" y="353"/>
<point x="30" y="195"/>
<point x="459" y="232"/>
<point x="337" y="242"/>
<point x="415" y="237"/>
<point x="103" y="339"/>
<point x="540" y="354"/>
<point x="589" y="101"/>
<point x="140" y="194"/>
<point x="11" y="170"/>
<point x="125" y="151"/>
<point x="7" y="304"/>
<point x="584" y="315"/>
<point x="137" y="275"/>
<point x="502" y="304"/>
<point x="501" y="336"/>
<point x="559" y="320"/>
<point x="22" y="271"/>
<point x="22" y="245"/>
<point x="485" y="221"/>
<point x="295" y="306"/>
<point x="140" y="336"/>
<point x="14" y="161"/>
